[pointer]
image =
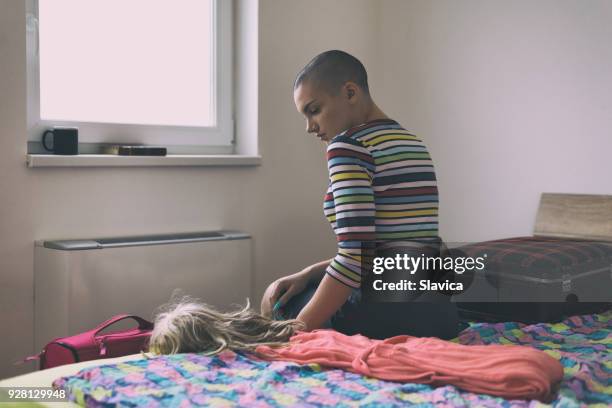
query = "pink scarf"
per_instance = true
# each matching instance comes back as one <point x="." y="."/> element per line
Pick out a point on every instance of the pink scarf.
<point x="508" y="371"/>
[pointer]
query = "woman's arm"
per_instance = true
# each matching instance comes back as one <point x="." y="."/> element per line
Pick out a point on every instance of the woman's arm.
<point x="316" y="271"/>
<point x="329" y="297"/>
<point x="351" y="198"/>
<point x="350" y="207"/>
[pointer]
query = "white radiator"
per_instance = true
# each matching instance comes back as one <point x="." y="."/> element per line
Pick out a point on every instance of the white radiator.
<point x="80" y="283"/>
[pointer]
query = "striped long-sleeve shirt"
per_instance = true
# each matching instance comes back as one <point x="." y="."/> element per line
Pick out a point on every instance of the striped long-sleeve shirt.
<point x="382" y="189"/>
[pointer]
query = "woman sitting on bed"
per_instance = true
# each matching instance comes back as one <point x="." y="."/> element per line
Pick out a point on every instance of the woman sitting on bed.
<point x="382" y="196"/>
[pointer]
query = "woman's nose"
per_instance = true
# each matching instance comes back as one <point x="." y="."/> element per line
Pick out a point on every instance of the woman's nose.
<point x="310" y="127"/>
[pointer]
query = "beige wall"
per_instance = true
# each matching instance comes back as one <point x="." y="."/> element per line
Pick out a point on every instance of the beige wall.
<point x="513" y="97"/>
<point x="279" y="202"/>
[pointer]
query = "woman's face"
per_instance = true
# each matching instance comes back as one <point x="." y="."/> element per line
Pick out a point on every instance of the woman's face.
<point x="326" y="115"/>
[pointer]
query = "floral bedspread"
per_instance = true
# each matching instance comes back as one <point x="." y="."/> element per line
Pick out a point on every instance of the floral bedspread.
<point x="583" y="344"/>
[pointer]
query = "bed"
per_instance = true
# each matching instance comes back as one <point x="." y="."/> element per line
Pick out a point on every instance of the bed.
<point x="581" y="343"/>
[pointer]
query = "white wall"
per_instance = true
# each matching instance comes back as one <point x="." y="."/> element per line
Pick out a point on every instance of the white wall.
<point x="513" y="97"/>
<point x="279" y="203"/>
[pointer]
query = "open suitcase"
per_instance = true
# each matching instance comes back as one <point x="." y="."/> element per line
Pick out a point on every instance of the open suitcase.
<point x="564" y="269"/>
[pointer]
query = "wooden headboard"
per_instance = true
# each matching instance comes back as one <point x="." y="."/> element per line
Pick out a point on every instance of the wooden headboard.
<point x="580" y="216"/>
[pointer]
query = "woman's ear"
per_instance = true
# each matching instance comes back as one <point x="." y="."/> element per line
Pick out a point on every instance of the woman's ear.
<point x="351" y="91"/>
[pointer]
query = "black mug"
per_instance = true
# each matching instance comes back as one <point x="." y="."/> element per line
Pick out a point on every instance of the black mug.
<point x="65" y="140"/>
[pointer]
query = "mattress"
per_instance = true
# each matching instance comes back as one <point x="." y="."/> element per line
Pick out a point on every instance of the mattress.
<point x="581" y="343"/>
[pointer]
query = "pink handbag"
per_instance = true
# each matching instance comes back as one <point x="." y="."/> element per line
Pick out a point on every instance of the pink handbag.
<point x="91" y="345"/>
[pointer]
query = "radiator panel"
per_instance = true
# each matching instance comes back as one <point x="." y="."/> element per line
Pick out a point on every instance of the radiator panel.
<point x="74" y="290"/>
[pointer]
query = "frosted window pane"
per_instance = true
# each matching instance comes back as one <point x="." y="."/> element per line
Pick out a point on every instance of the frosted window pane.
<point x="127" y="61"/>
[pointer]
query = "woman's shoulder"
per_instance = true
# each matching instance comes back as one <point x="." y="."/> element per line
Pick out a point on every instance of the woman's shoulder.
<point x="369" y="132"/>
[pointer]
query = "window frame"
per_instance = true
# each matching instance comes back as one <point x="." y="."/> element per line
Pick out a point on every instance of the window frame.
<point x="219" y="139"/>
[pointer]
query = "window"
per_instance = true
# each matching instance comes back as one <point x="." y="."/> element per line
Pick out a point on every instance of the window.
<point x="154" y="72"/>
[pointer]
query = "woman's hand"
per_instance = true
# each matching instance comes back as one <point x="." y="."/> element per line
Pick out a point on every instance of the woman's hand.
<point x="281" y="290"/>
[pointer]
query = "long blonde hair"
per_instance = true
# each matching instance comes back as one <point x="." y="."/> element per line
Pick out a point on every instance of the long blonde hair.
<point x="188" y="325"/>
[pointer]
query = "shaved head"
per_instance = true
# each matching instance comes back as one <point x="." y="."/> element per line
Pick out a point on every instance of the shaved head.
<point x="330" y="70"/>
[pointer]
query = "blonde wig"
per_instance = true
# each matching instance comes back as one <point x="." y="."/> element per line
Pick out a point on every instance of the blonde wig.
<point x="191" y="326"/>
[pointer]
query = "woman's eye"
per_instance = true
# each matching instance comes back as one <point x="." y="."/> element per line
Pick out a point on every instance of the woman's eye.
<point x="314" y="111"/>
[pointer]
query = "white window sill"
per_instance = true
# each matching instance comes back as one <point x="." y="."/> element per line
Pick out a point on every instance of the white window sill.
<point x="106" y="160"/>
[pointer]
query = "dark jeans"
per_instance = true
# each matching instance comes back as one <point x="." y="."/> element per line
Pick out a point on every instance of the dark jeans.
<point x="431" y="315"/>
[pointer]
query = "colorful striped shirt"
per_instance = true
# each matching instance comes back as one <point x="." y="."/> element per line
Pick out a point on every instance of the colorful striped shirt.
<point x="382" y="191"/>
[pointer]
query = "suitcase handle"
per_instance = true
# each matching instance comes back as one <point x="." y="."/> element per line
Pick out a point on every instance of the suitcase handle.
<point x="142" y="323"/>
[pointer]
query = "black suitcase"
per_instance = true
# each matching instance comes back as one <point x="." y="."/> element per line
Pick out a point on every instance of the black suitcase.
<point x="535" y="279"/>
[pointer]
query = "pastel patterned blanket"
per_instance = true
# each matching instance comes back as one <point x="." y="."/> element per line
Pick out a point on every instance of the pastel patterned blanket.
<point x="583" y="344"/>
